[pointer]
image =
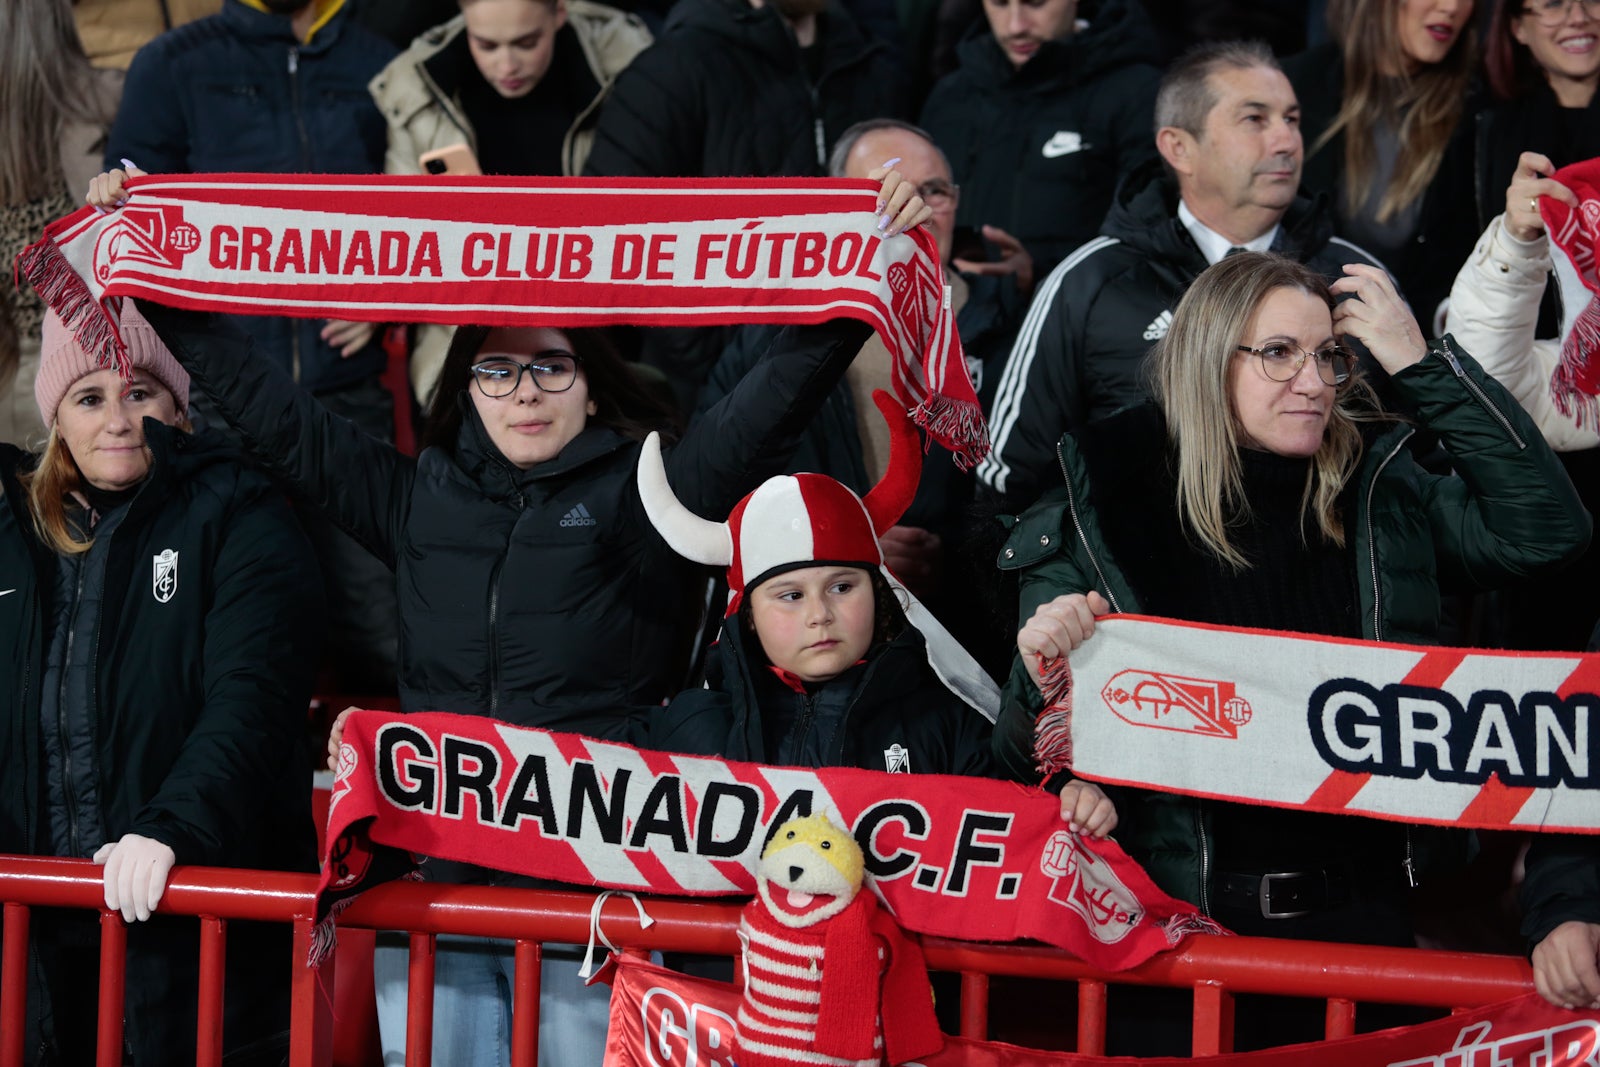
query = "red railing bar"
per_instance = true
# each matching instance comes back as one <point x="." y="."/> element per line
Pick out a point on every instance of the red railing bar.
<point x="311" y="1004"/>
<point x="525" y="1005"/>
<point x="419" y="1001"/>
<point x="1238" y="965"/>
<point x="1213" y="1019"/>
<point x="1424" y="977"/>
<point x="113" y="982"/>
<point x="1092" y="1018"/>
<point x="13" y="983"/>
<point x="974" y="1005"/>
<point x="1341" y="1018"/>
<point x="208" y="1034"/>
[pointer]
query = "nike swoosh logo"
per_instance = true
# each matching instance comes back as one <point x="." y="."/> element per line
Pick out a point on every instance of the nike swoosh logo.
<point x="6" y="592"/>
<point x="1059" y="146"/>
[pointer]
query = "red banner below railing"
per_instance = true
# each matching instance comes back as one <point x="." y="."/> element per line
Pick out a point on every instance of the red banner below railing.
<point x="1216" y="968"/>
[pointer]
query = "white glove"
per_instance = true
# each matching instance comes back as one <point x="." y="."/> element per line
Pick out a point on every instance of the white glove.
<point x="136" y="874"/>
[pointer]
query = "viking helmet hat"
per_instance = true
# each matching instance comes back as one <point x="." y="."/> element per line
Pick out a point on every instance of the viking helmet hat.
<point x="802" y="520"/>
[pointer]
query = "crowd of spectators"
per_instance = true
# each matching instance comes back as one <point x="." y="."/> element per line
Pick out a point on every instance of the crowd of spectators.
<point x="1126" y="196"/>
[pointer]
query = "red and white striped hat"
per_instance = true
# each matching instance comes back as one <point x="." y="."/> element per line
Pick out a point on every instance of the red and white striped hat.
<point x="792" y="520"/>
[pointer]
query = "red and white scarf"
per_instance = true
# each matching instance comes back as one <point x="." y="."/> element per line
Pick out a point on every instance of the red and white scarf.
<point x="1575" y="385"/>
<point x="513" y="251"/>
<point x="1452" y="736"/>
<point x="972" y="858"/>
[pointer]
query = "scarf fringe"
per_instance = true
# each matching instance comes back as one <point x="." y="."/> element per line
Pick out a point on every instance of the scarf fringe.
<point x="325" y="934"/>
<point x="959" y="422"/>
<point x="1052" y="730"/>
<point x="59" y="285"/>
<point x="1181" y="926"/>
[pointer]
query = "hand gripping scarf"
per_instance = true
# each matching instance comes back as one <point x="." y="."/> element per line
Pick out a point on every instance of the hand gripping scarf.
<point x="520" y="252"/>
<point x="1575" y="385"/>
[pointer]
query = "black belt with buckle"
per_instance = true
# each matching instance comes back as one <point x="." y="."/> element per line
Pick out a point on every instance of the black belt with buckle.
<point x="1285" y="894"/>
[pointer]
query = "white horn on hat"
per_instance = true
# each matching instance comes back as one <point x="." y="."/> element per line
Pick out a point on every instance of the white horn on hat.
<point x="690" y="536"/>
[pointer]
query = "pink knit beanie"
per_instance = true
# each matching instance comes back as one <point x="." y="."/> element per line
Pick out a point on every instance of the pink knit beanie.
<point x="62" y="361"/>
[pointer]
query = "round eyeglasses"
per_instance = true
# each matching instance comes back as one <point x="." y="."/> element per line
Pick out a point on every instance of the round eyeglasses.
<point x="1282" y="360"/>
<point x="1551" y="13"/>
<point x="940" y="195"/>
<point x="552" y="372"/>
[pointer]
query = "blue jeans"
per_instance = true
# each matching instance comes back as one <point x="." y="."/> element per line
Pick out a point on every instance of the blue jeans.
<point x="472" y="981"/>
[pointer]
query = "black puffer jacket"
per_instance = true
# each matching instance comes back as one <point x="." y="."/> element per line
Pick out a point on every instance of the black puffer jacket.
<point x="724" y="92"/>
<point x="1037" y="150"/>
<point x="199" y="699"/>
<point x="541" y="597"/>
<point x="1080" y="354"/>
<point x="190" y="729"/>
<point x="890" y="713"/>
<point x="237" y="92"/>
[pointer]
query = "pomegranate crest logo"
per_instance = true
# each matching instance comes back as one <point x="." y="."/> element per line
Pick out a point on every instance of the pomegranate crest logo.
<point x="348" y="760"/>
<point x="1173" y="702"/>
<point x="1084" y="884"/>
<point x="156" y="235"/>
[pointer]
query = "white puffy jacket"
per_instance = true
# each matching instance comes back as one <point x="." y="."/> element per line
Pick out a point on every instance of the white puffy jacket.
<point x="1494" y="309"/>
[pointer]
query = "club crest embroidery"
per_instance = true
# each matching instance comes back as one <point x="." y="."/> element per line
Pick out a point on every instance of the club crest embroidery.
<point x="1171" y="702"/>
<point x="896" y="759"/>
<point x="164" y="580"/>
<point x="156" y="235"/>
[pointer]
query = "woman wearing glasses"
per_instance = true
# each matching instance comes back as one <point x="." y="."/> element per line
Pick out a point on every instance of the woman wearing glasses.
<point x="1263" y="489"/>
<point x="532" y="587"/>
<point x="1543" y="63"/>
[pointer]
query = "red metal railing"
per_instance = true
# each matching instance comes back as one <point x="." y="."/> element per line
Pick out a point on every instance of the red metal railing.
<point x="1216" y="968"/>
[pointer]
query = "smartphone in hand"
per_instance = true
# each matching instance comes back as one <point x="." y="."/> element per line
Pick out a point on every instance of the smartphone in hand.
<point x="451" y="159"/>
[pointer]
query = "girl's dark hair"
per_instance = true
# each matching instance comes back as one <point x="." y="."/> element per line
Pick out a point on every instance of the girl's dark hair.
<point x="1507" y="61"/>
<point x="625" y="400"/>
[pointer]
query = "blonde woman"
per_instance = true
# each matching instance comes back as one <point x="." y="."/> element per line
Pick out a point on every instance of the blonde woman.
<point x="1262" y="489"/>
<point x="1385" y="109"/>
<point x="158" y="631"/>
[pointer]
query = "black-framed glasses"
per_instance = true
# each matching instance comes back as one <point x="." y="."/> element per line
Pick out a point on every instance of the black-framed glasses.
<point x="1556" y="12"/>
<point x="938" y="193"/>
<point x="552" y="372"/>
<point x="1282" y="360"/>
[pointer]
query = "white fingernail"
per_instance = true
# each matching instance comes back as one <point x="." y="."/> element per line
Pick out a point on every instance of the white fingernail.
<point x="891" y="163"/>
<point x="129" y="164"/>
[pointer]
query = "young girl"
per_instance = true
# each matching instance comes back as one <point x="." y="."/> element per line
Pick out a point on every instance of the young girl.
<point x="826" y="659"/>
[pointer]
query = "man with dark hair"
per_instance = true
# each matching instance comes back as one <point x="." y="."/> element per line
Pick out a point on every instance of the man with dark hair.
<point x="1228" y="133"/>
<point x="280" y="87"/>
<point x="1040" y="120"/>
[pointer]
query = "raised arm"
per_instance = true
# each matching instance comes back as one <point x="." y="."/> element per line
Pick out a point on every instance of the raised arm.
<point x="1494" y="305"/>
<point x="748" y="435"/>
<point x="1509" y="509"/>
<point x="359" y="482"/>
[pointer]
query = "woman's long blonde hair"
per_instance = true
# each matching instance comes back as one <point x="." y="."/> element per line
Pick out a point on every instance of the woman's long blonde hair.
<point x="50" y="486"/>
<point x="1428" y="104"/>
<point x="1190" y="369"/>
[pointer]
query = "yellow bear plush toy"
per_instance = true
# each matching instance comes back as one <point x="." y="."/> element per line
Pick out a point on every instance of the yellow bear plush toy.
<point x="830" y="978"/>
